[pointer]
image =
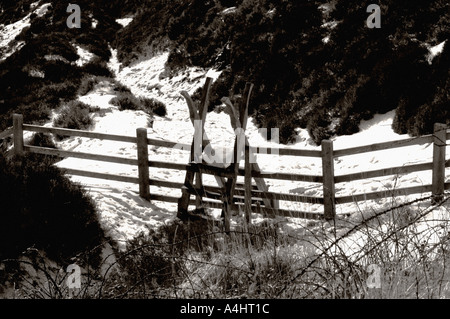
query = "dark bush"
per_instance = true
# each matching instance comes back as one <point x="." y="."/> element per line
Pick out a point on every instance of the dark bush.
<point x="119" y="87"/>
<point x="126" y="102"/>
<point x="97" y="67"/>
<point x="65" y="91"/>
<point x="43" y="140"/>
<point x="37" y="112"/>
<point x="178" y="60"/>
<point x="151" y="105"/>
<point x="87" y="84"/>
<point x="74" y="115"/>
<point x="220" y="88"/>
<point x="44" y="210"/>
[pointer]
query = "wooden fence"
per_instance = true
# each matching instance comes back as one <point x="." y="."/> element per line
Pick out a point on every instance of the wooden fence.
<point x="327" y="154"/>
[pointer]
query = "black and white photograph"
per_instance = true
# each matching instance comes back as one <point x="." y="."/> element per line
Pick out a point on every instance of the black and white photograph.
<point x="232" y="156"/>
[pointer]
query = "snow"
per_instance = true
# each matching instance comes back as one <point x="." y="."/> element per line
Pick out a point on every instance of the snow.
<point x="229" y="10"/>
<point x="124" y="21"/>
<point x="124" y="214"/>
<point x="433" y="51"/>
<point x="94" y="23"/>
<point x="8" y="33"/>
<point x="42" y="10"/>
<point x="85" y="56"/>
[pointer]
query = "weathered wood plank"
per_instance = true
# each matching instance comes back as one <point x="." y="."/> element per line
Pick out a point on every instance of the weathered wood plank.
<point x="18" y="134"/>
<point x="438" y="177"/>
<point x="102" y="136"/>
<point x="143" y="166"/>
<point x="288" y="197"/>
<point x="88" y="156"/>
<point x="247" y="185"/>
<point x="383" y="146"/>
<point x="287" y="151"/>
<point x="167" y="165"/>
<point x="200" y="132"/>
<point x="284" y="176"/>
<point x="328" y="179"/>
<point x="383" y="172"/>
<point x="168" y="144"/>
<point x="384" y="194"/>
<point x="171" y="199"/>
<point x="110" y="177"/>
<point x="167" y="184"/>
<point x="239" y="194"/>
<point x="69" y="132"/>
<point x="266" y="211"/>
<point x="211" y="170"/>
<point x="259" y="195"/>
<point x="288" y="213"/>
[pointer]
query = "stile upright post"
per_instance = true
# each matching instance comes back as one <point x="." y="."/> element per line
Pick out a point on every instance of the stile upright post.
<point x="438" y="179"/>
<point x="248" y="184"/>
<point x="328" y="180"/>
<point x="143" y="166"/>
<point x="18" y="134"/>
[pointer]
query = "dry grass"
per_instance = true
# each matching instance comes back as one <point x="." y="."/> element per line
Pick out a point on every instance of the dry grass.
<point x="409" y="243"/>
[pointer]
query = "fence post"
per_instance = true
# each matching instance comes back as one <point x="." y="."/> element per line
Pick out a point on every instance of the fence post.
<point x="438" y="179"/>
<point x="143" y="167"/>
<point x="328" y="180"/>
<point x="247" y="184"/>
<point x="18" y="134"/>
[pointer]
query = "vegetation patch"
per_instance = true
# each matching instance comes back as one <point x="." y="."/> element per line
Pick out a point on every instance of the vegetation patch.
<point x="302" y="67"/>
<point x="44" y="210"/>
<point x="74" y="115"/>
<point x="125" y="100"/>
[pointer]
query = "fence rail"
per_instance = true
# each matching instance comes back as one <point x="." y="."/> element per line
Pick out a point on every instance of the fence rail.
<point x="212" y="194"/>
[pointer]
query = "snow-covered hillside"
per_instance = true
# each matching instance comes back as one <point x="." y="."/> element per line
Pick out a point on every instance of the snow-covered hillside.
<point x="123" y="213"/>
<point x="8" y="33"/>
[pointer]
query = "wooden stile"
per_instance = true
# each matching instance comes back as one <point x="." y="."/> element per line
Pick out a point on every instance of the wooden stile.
<point x="256" y="171"/>
<point x="198" y="117"/>
<point x="230" y="195"/>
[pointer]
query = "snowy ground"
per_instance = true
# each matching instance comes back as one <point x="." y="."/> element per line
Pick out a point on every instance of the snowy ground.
<point x="123" y="213"/>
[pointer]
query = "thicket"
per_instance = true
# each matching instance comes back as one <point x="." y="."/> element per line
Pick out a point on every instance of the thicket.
<point x="125" y="100"/>
<point x="13" y="10"/>
<point x="43" y="74"/>
<point x="44" y="210"/>
<point x="74" y="115"/>
<point x="300" y="79"/>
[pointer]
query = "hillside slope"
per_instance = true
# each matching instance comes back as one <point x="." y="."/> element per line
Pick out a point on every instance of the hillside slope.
<point x="315" y="64"/>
